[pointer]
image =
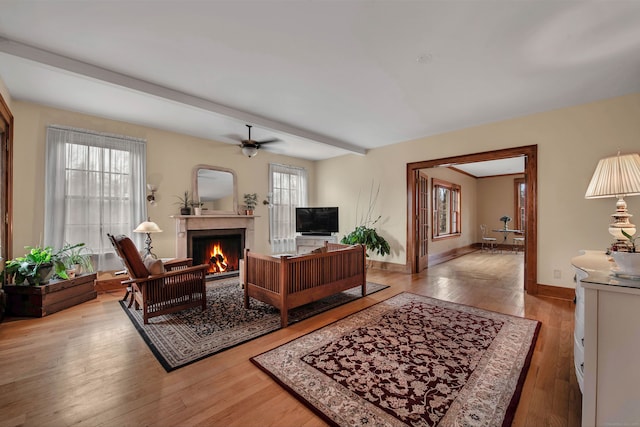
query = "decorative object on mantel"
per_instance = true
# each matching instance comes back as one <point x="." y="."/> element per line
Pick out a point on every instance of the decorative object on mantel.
<point x="505" y="219"/>
<point x="619" y="176"/>
<point x="148" y="227"/>
<point x="185" y="203"/>
<point x="197" y="207"/>
<point x="250" y="202"/>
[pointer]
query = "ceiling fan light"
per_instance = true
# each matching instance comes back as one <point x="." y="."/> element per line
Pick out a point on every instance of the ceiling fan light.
<point x="249" y="151"/>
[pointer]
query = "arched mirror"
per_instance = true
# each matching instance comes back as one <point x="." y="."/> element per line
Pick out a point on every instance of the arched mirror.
<point x="215" y="188"/>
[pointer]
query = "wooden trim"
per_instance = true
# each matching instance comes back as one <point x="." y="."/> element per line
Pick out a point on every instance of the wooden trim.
<point x="7" y="117"/>
<point x="530" y="153"/>
<point x="388" y="266"/>
<point x="551" y="291"/>
<point x="453" y="188"/>
<point x="452" y="254"/>
<point x="516" y="201"/>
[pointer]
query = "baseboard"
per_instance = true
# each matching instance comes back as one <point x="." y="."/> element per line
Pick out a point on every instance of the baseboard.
<point x="451" y="254"/>
<point x="389" y="266"/>
<point x="107" y="281"/>
<point x="550" y="291"/>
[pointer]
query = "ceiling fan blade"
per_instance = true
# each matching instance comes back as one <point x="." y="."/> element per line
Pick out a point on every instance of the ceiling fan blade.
<point x="268" y="141"/>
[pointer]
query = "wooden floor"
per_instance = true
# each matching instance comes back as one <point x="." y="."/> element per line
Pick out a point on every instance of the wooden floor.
<point x="88" y="366"/>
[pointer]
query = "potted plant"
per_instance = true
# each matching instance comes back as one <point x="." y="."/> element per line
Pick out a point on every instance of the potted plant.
<point x="197" y="207"/>
<point x="185" y="203"/>
<point x="250" y="201"/>
<point x="366" y="234"/>
<point x="78" y="260"/>
<point x="626" y="258"/>
<point x="38" y="265"/>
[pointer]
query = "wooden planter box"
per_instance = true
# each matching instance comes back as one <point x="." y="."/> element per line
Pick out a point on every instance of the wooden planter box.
<point x="39" y="301"/>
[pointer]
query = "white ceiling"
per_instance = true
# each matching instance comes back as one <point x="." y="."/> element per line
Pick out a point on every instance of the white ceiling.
<point x="488" y="168"/>
<point x="328" y="78"/>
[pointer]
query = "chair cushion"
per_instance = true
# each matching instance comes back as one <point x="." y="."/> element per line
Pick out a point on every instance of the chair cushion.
<point x="137" y="270"/>
<point x="153" y="265"/>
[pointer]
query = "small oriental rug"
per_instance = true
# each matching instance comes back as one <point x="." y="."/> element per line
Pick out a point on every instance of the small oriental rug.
<point x="181" y="338"/>
<point x="409" y="360"/>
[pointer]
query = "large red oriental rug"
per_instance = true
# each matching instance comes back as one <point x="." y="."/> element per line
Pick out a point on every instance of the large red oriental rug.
<point x="409" y="360"/>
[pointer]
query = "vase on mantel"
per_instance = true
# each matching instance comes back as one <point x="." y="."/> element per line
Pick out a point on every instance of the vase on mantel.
<point x="248" y="212"/>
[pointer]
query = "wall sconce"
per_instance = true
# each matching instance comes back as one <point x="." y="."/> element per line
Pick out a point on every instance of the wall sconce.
<point x="267" y="201"/>
<point x="151" y="198"/>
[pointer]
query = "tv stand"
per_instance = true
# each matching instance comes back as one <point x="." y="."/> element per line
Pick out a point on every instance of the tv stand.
<point x="306" y="243"/>
<point x="315" y="234"/>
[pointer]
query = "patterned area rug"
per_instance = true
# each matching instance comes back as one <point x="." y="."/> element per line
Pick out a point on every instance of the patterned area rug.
<point x="181" y="338"/>
<point x="409" y="360"/>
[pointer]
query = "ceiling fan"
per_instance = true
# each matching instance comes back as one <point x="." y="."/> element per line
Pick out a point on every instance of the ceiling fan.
<point x="250" y="147"/>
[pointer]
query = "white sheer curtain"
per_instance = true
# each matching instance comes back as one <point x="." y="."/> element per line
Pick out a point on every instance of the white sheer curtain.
<point x="95" y="184"/>
<point x="288" y="188"/>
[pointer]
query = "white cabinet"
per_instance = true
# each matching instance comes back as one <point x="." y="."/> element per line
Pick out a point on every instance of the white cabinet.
<point x="305" y="244"/>
<point x="607" y="343"/>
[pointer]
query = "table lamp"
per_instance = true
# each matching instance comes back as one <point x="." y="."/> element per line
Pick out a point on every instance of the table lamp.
<point x="617" y="176"/>
<point x="148" y="227"/>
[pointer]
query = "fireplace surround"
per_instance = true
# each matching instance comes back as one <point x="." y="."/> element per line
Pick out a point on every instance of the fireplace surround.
<point x="188" y="226"/>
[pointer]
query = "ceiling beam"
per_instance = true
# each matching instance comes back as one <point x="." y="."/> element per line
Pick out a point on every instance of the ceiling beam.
<point x="41" y="56"/>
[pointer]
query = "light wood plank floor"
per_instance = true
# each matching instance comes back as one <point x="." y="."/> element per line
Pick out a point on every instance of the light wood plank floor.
<point x="87" y="365"/>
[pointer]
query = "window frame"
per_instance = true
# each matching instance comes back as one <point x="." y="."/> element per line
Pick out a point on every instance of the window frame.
<point x="519" y="205"/>
<point x="454" y="209"/>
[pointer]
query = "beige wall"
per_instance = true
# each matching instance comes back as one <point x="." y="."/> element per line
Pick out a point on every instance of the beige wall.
<point x="496" y="199"/>
<point x="170" y="159"/>
<point x="570" y="142"/>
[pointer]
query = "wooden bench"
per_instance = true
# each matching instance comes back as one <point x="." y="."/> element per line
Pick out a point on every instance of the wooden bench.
<point x="287" y="282"/>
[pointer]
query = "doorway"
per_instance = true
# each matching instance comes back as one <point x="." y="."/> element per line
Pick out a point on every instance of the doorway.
<point x="417" y="249"/>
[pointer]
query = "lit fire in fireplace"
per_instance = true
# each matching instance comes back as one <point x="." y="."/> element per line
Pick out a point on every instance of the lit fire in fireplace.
<point x="217" y="260"/>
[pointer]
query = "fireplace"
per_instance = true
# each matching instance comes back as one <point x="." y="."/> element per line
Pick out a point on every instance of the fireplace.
<point x="220" y="249"/>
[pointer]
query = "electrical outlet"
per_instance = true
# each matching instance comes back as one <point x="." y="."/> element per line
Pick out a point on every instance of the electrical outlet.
<point x="557" y="274"/>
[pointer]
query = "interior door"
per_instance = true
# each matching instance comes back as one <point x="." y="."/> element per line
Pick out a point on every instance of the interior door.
<point x="422" y="220"/>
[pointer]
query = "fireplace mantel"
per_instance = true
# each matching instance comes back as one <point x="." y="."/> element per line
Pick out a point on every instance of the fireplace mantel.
<point x="184" y="223"/>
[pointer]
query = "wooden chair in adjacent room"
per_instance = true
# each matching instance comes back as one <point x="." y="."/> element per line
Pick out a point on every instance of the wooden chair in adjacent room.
<point x="160" y="288"/>
<point x="488" y="243"/>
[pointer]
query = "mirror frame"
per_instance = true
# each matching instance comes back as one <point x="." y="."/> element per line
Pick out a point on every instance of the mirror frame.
<point x="194" y="188"/>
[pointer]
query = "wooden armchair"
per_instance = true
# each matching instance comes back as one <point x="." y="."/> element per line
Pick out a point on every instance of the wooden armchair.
<point x="178" y="287"/>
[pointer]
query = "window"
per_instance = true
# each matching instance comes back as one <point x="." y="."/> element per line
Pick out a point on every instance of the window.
<point x="520" y="193"/>
<point x="94" y="186"/>
<point x="446" y="209"/>
<point x="288" y="190"/>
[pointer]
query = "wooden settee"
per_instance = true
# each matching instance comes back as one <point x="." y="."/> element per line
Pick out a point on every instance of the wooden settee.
<point x="286" y="282"/>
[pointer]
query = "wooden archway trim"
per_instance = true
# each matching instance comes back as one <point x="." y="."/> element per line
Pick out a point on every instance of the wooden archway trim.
<point x="7" y="125"/>
<point x="530" y="153"/>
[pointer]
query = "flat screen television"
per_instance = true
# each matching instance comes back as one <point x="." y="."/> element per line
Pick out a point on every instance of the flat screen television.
<point x="317" y="221"/>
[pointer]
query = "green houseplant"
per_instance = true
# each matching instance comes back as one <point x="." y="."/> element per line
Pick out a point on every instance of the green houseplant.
<point x="365" y="233"/>
<point x="39" y="264"/>
<point x="185" y="203"/>
<point x="250" y="201"/>
<point x="78" y="258"/>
